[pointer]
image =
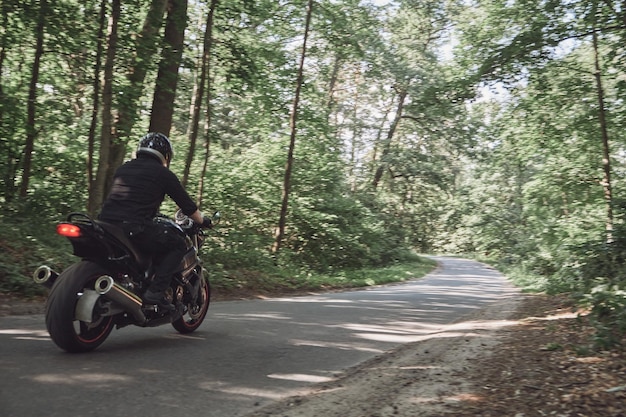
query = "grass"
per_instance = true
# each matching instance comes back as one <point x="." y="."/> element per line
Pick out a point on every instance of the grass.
<point x="280" y="281"/>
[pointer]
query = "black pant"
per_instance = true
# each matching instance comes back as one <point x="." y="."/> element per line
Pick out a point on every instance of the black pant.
<point x="165" y="243"/>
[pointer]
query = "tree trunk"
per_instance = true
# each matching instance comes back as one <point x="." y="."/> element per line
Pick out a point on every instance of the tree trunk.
<point x="3" y="54"/>
<point x="91" y="136"/>
<point x="31" y="130"/>
<point x="606" y="156"/>
<point x="387" y="144"/>
<point x="107" y="134"/>
<point x="356" y="133"/>
<point x="115" y="133"/>
<point x="208" y="113"/>
<point x="146" y="47"/>
<point x="282" y="221"/>
<point x="199" y="92"/>
<point x="167" y="79"/>
<point x="11" y="157"/>
<point x="332" y="101"/>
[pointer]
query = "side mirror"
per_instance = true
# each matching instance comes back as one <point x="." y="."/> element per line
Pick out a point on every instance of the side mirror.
<point x="215" y="219"/>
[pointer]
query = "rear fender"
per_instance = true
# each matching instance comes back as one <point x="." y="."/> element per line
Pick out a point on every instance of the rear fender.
<point x="85" y="306"/>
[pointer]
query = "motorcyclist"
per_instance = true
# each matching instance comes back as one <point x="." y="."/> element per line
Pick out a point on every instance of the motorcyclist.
<point x="139" y="187"/>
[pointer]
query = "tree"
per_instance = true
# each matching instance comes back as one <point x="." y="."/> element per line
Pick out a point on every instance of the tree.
<point x="115" y="132"/>
<point x="282" y="221"/>
<point x="402" y="95"/>
<point x="9" y="107"/>
<point x="107" y="132"/>
<point x="167" y="78"/>
<point x="91" y="135"/>
<point x="522" y="40"/>
<point x="606" y="158"/>
<point x="199" y="91"/>
<point x="31" y="129"/>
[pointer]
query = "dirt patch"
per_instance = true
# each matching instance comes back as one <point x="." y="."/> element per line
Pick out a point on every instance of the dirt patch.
<point x="524" y="357"/>
<point x="544" y="366"/>
<point x="519" y="359"/>
<point x="17" y="306"/>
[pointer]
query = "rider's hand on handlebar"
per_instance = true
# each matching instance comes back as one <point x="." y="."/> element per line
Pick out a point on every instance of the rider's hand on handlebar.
<point x="207" y="223"/>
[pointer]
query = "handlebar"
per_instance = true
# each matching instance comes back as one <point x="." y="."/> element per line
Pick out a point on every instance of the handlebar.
<point x="185" y="221"/>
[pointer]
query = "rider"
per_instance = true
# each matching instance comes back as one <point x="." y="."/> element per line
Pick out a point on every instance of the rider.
<point x="139" y="187"/>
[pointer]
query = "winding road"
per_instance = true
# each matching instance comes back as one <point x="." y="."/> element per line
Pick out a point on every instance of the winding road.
<point x="247" y="354"/>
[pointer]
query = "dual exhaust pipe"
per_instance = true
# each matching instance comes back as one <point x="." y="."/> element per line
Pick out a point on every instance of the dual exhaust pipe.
<point x="44" y="275"/>
<point x="105" y="285"/>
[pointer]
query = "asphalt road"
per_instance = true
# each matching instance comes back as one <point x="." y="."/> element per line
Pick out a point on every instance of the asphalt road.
<point x="246" y="354"/>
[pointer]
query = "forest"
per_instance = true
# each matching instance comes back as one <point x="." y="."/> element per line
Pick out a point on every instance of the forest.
<point x="333" y="135"/>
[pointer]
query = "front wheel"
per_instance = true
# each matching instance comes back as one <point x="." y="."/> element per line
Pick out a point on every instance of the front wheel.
<point x="67" y="332"/>
<point x="196" y="311"/>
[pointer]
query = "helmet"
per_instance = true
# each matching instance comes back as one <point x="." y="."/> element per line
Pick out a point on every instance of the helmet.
<point x="156" y="144"/>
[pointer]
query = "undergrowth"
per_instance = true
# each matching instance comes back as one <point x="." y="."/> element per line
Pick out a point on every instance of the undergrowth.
<point x="593" y="276"/>
<point x="26" y="245"/>
<point x="285" y="280"/>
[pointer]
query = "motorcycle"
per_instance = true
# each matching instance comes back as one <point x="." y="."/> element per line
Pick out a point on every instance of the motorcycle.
<point x="103" y="290"/>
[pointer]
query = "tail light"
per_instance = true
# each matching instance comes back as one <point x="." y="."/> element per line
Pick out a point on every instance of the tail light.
<point x="68" y="230"/>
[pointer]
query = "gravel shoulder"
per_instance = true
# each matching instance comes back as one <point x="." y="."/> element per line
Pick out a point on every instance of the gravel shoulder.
<point x="423" y="378"/>
<point x="518" y="358"/>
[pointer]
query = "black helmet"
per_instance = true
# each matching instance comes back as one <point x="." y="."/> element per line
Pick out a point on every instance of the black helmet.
<point x="156" y="144"/>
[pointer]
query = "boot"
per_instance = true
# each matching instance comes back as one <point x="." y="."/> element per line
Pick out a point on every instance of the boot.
<point x="158" y="298"/>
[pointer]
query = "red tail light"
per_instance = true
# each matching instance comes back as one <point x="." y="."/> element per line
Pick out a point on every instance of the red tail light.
<point x="68" y="230"/>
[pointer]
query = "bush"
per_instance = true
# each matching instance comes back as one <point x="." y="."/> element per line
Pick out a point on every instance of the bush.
<point x="595" y="274"/>
<point x="608" y="313"/>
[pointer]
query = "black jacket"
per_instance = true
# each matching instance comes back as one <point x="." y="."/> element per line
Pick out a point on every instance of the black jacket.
<point x="139" y="187"/>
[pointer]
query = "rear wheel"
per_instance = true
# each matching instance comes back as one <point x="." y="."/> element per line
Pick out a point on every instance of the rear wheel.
<point x="65" y="330"/>
<point x="196" y="311"/>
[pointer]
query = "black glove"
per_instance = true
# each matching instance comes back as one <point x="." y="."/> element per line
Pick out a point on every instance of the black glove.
<point x="207" y="223"/>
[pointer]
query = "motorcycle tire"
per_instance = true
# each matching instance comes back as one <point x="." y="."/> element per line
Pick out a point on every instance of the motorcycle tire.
<point x="65" y="330"/>
<point x="196" y="312"/>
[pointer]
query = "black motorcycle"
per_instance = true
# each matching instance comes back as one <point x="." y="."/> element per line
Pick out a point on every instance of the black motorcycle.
<point x="104" y="289"/>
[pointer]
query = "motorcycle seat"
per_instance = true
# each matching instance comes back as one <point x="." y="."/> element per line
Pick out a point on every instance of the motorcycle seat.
<point x="142" y="259"/>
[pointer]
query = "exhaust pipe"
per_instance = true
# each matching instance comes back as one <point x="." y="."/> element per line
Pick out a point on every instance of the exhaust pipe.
<point x="105" y="285"/>
<point x="45" y="276"/>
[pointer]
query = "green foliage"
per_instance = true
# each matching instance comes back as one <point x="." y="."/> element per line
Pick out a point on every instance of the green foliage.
<point x="537" y="202"/>
<point x="273" y="281"/>
<point x="26" y="244"/>
<point x="596" y="274"/>
<point x="608" y="312"/>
